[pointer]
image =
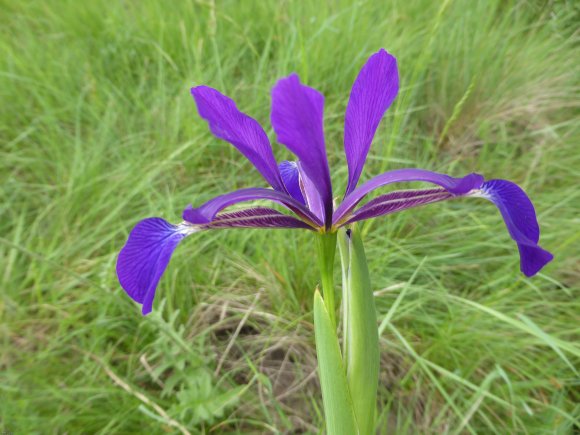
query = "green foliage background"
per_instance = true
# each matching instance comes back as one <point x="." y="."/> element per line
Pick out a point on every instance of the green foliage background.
<point x="98" y="130"/>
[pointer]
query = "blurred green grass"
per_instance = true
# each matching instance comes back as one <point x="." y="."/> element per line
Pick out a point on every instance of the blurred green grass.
<point x="98" y="130"/>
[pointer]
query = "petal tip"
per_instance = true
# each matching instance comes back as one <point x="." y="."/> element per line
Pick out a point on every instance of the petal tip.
<point x="294" y="76"/>
<point x="203" y="96"/>
<point x="147" y="307"/>
<point x="533" y="259"/>
<point x="195" y="90"/>
<point x="384" y="53"/>
<point x="292" y="79"/>
<point x="145" y="310"/>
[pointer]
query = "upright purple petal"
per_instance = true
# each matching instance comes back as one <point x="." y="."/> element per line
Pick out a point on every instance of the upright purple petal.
<point x="455" y="186"/>
<point x="297" y="112"/>
<point x="311" y="194"/>
<point x="301" y="187"/>
<point x="145" y="256"/>
<point x="520" y="218"/>
<point x="227" y="122"/>
<point x="373" y="91"/>
<point x="208" y="211"/>
<point x="291" y="179"/>
<point x="398" y="201"/>
<point x="257" y="217"/>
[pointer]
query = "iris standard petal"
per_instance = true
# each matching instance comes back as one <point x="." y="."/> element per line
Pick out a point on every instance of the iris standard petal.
<point x="311" y="194"/>
<point x="520" y="218"/>
<point x="398" y="201"/>
<point x="291" y="179"/>
<point x="297" y="112"/>
<point x="208" y="211"/>
<point x="373" y="91"/>
<point x="227" y="122"/>
<point x="455" y="186"/>
<point x="301" y="187"/>
<point x="145" y="256"/>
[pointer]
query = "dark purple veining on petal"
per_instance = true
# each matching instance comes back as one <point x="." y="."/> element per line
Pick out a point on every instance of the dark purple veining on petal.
<point x="205" y="213"/>
<point x="258" y="217"/>
<point x="305" y="188"/>
<point x="145" y="256"/>
<point x="455" y="186"/>
<point x="398" y="201"/>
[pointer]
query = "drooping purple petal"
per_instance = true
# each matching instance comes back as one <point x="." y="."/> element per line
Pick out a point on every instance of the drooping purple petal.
<point x="455" y="186"/>
<point x="373" y="91"/>
<point x="145" y="256"/>
<point x="257" y="217"/>
<point x="520" y="218"/>
<point x="297" y="112"/>
<point x="208" y="211"/>
<point x="398" y="201"/>
<point x="291" y="179"/>
<point x="227" y="122"/>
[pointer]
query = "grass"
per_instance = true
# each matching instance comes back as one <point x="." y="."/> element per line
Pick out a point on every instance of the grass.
<point x="99" y="130"/>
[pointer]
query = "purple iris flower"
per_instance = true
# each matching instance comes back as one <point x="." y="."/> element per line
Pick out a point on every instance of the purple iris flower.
<point x="304" y="188"/>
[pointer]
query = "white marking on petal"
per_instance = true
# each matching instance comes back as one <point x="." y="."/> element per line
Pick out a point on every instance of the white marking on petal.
<point x="478" y="193"/>
<point x="187" y="228"/>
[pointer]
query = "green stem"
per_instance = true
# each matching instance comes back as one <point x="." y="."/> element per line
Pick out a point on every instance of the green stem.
<point x="326" y="246"/>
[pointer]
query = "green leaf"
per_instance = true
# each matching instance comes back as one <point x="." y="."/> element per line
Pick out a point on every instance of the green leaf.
<point x="361" y="332"/>
<point x="338" y="408"/>
<point x="343" y="248"/>
<point x="326" y="246"/>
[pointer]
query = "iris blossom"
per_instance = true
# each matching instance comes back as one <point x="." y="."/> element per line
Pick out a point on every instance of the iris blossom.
<point x="303" y="187"/>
